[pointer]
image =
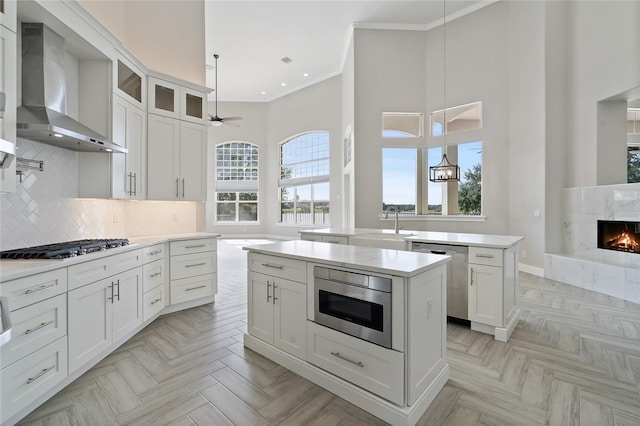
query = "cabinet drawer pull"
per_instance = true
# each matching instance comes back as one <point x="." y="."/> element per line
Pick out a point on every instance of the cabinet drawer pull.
<point x="153" y="253"/>
<point x="194" y="288"/>
<point x="267" y="265"/>
<point x="344" y="358"/>
<point x="195" y="246"/>
<point x="195" y="264"/>
<point x="44" y="324"/>
<point x="42" y="287"/>
<point x="40" y="374"/>
<point x="485" y="256"/>
<point x="156" y="301"/>
<point x="155" y="275"/>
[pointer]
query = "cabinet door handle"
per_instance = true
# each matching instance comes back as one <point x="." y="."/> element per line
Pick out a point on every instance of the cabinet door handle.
<point x="485" y="256"/>
<point x="344" y="358"/>
<point x="182" y="187"/>
<point x="36" y="328"/>
<point x="177" y="188"/>
<point x="274" y="298"/>
<point x="153" y="253"/>
<point x="111" y="298"/>
<point x="135" y="184"/>
<point x="194" y="288"/>
<point x="268" y="290"/>
<point x="471" y="283"/>
<point x="267" y="265"/>
<point x="42" y="287"/>
<point x="118" y="284"/>
<point x="196" y="246"/>
<point x="156" y="301"/>
<point x="155" y="275"/>
<point x="40" y="374"/>
<point x="195" y="264"/>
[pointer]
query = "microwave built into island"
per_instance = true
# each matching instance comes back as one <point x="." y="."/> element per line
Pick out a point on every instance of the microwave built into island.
<point x="367" y="324"/>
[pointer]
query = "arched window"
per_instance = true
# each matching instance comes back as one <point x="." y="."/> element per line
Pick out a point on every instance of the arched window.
<point x="304" y="179"/>
<point x="236" y="182"/>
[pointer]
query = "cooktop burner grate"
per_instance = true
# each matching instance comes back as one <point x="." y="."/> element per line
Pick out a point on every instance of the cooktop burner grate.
<point x="64" y="250"/>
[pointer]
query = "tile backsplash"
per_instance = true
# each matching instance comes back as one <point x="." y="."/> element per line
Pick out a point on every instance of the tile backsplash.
<point x="44" y="209"/>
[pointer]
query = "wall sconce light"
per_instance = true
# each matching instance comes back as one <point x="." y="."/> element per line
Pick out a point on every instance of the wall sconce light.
<point x="444" y="171"/>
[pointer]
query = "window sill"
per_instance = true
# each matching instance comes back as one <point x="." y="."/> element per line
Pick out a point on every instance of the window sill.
<point x="434" y="218"/>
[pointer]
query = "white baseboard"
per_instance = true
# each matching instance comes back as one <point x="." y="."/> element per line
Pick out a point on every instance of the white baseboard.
<point x="533" y="270"/>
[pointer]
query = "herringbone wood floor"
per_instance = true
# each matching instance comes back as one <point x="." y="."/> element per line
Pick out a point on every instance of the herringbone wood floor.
<point x="574" y="359"/>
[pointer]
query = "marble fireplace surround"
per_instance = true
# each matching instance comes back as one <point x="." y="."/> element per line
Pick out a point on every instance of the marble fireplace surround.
<point x="583" y="264"/>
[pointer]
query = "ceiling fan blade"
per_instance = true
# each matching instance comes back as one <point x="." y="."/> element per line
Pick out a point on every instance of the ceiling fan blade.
<point x="230" y="123"/>
<point x="231" y="118"/>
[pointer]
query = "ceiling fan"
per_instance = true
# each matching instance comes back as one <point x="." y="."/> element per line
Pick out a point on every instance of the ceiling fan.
<point x="214" y="120"/>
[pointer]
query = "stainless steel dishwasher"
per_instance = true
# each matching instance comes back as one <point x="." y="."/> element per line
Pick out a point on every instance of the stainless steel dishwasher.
<point x="457" y="277"/>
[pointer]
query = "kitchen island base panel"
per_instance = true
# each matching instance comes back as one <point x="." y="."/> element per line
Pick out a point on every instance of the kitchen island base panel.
<point x="379" y="407"/>
<point x="502" y="334"/>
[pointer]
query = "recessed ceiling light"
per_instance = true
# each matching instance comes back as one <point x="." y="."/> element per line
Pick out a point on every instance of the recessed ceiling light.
<point x="57" y="135"/>
<point x="306" y="74"/>
<point x="283" y="84"/>
<point x="263" y="92"/>
<point x="286" y="60"/>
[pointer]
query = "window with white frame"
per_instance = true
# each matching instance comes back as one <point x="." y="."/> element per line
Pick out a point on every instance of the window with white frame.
<point x="236" y="182"/>
<point x="304" y="179"/>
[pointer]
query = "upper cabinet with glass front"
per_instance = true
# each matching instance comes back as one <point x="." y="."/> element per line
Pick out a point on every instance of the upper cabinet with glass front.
<point x="8" y="14"/>
<point x="177" y="101"/>
<point x="130" y="82"/>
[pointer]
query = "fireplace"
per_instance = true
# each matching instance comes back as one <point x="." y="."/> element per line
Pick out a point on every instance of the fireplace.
<point x="619" y="236"/>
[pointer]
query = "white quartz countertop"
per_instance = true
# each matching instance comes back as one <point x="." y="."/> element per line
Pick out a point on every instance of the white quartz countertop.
<point x="455" y="238"/>
<point x="394" y="262"/>
<point x="19" y="268"/>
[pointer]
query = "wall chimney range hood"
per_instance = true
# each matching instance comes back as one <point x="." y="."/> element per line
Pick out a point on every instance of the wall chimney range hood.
<point x="42" y="116"/>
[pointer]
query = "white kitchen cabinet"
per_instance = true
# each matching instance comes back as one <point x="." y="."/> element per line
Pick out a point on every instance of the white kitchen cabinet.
<point x="193" y="267"/>
<point x="8" y="14"/>
<point x="173" y="100"/>
<point x="128" y="170"/>
<point x="485" y="294"/>
<point x="177" y="154"/>
<point x="492" y="277"/>
<point x="154" y="278"/>
<point x="101" y="313"/>
<point x="8" y="60"/>
<point x="277" y="306"/>
<point x="130" y="82"/>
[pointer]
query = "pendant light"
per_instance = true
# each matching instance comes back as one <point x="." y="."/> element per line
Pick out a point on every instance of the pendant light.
<point x="444" y="171"/>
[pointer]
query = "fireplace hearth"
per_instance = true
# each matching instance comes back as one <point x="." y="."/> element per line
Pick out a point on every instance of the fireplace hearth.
<point x="619" y="236"/>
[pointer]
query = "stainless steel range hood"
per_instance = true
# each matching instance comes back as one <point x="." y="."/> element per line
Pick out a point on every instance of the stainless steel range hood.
<point x="42" y="116"/>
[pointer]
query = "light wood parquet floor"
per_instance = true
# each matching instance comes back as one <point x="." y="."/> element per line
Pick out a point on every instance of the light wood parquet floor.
<point x="574" y="359"/>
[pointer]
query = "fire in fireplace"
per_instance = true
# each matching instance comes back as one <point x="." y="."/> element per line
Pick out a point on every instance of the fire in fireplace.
<point x="619" y="236"/>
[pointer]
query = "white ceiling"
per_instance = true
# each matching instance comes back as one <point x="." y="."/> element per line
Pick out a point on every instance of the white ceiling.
<point x="251" y="37"/>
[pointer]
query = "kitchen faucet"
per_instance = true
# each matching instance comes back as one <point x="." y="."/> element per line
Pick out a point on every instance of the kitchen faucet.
<point x="397" y="226"/>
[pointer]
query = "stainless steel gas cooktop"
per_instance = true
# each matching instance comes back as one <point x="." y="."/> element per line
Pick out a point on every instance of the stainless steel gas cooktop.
<point x="64" y="250"/>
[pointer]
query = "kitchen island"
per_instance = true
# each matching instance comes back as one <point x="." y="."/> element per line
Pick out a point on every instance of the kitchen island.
<point x="294" y="285"/>
<point x="483" y="277"/>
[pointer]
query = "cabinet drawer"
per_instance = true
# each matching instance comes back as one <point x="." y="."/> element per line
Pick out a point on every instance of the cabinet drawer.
<point x="152" y="275"/>
<point x="335" y="239"/>
<point x="193" y="246"/>
<point x="152" y="302"/>
<point x="290" y="269"/>
<point x="311" y="237"/>
<point x="89" y="272"/>
<point x="153" y="253"/>
<point x="193" y="288"/>
<point x="26" y="291"/>
<point x="26" y="380"/>
<point x="372" y="367"/>
<point x="125" y="261"/>
<point x="485" y="256"/>
<point x="190" y="265"/>
<point x="35" y="326"/>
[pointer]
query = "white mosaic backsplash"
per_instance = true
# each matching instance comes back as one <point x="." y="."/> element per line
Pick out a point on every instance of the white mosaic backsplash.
<point x="44" y="208"/>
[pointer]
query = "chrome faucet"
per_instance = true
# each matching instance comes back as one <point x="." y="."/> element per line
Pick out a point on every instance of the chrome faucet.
<point x="397" y="226"/>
